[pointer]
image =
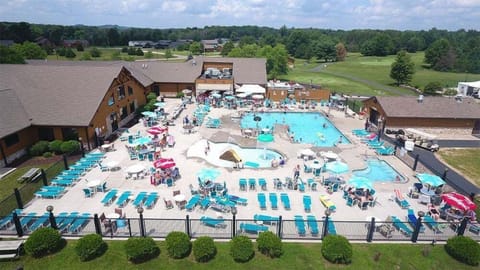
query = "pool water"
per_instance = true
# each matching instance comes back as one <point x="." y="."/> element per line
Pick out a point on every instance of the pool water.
<point x="312" y="128"/>
<point x="379" y="171"/>
<point x="263" y="157"/>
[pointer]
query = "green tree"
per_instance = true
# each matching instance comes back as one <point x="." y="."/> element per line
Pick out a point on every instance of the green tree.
<point x="95" y="52"/>
<point x="196" y="48"/>
<point x="341" y="51"/>
<point x="10" y="56"/>
<point x="30" y="50"/>
<point x="86" y="56"/>
<point x="168" y="54"/>
<point x="246" y="40"/>
<point x="227" y="48"/>
<point x="380" y="45"/>
<point x="324" y="49"/>
<point x="402" y="69"/>
<point x="69" y="53"/>
<point x="440" y="55"/>
<point x="433" y="88"/>
<point x="277" y="60"/>
<point x="139" y="52"/>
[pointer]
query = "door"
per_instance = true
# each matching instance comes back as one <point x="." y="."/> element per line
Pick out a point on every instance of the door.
<point x="476" y="128"/>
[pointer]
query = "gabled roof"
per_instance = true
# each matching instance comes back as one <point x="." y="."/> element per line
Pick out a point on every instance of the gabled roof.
<point x="245" y="70"/>
<point x="55" y="95"/>
<point x="161" y="71"/>
<point x="430" y="107"/>
<point x="13" y="116"/>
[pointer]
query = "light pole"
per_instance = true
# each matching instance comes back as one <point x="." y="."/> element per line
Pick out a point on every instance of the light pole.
<point x="81" y="146"/>
<point x="325" y="224"/>
<point x="379" y="127"/>
<point x="51" y="217"/>
<point x="142" y="225"/>
<point x="418" y="225"/>
<point x="234" y="225"/>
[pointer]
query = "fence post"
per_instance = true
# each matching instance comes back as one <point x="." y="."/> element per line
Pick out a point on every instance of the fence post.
<point x="187" y="225"/>
<point x="18" y="197"/>
<point x="414" y="168"/>
<point x="279" y="227"/>
<point x="444" y="176"/>
<point x="65" y="161"/>
<point x="18" y="225"/>
<point x="418" y="226"/>
<point x="129" y="228"/>
<point x="44" y="177"/>
<point x="371" y="230"/>
<point x="98" y="226"/>
<point x="463" y="226"/>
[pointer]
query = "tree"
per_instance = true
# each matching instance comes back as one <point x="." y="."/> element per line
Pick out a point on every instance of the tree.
<point x="69" y="53"/>
<point x="168" y="54"/>
<point x="432" y="88"/>
<point x="324" y="49"/>
<point x="438" y="53"/>
<point x="10" y="56"/>
<point x="139" y="52"/>
<point x="402" y="69"/>
<point x="277" y="59"/>
<point x="341" y="52"/>
<point x="196" y="48"/>
<point x="227" y="48"/>
<point x="95" y="52"/>
<point x="30" y="50"/>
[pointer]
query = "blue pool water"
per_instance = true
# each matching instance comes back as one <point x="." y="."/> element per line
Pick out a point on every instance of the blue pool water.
<point x="307" y="127"/>
<point x="262" y="157"/>
<point x="379" y="171"/>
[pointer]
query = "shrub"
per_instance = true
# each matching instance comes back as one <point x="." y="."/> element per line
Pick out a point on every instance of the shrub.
<point x="39" y="148"/>
<point x="151" y="96"/>
<point x="141" y="249"/>
<point x="178" y="245"/>
<point x="337" y="249"/>
<point x="43" y="241"/>
<point x="463" y="249"/>
<point x="270" y="244"/>
<point x="241" y="248"/>
<point x="70" y="146"/>
<point x="47" y="155"/>
<point x="55" y="146"/>
<point x="204" y="249"/>
<point x="95" y="52"/>
<point x="124" y="50"/>
<point x="90" y="247"/>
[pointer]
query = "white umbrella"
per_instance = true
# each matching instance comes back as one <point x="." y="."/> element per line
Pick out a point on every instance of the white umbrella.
<point x="242" y="95"/>
<point x="186" y="91"/>
<point x="257" y="96"/>
<point x="307" y="152"/>
<point x="317" y="164"/>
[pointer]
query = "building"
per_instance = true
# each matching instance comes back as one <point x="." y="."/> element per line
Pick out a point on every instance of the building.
<point x="427" y="112"/>
<point x="72" y="43"/>
<point x="211" y="45"/>
<point x="47" y="100"/>
<point x="469" y="89"/>
<point x="278" y="91"/>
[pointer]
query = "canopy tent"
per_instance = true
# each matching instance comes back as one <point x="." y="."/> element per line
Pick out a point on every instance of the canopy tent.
<point x="230" y="155"/>
<point x="430" y="179"/>
<point x="251" y="88"/>
<point x="203" y="87"/>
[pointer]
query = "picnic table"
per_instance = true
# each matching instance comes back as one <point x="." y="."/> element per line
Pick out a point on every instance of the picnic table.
<point x="29" y="175"/>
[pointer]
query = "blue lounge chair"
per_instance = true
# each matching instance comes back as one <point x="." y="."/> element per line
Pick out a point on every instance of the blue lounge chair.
<point x="67" y="221"/>
<point x="192" y="203"/>
<point x="53" y="188"/>
<point x="141" y="196"/>
<point x="300" y="225"/>
<point x="25" y="220"/>
<point x="79" y="223"/>
<point x="151" y="199"/>
<point x="60" y="217"/>
<point x="307" y="203"/>
<point x="412" y="219"/>
<point x="331" y="229"/>
<point x="108" y="199"/>
<point x="386" y="150"/>
<point x="273" y="200"/>
<point x="252" y="228"/>
<point x="262" y="200"/>
<point x="88" y="193"/>
<point x="6" y="221"/>
<point x="252" y="183"/>
<point x="213" y="222"/>
<point x="401" y="226"/>
<point x="312" y="224"/>
<point x="285" y="200"/>
<point x="262" y="183"/>
<point x="40" y="222"/>
<point x="266" y="219"/>
<point x="205" y="202"/>
<point x="242" y="182"/>
<point x="431" y="223"/>
<point x="401" y="201"/>
<point x="123" y="199"/>
<point x="237" y="200"/>
<point x="48" y="194"/>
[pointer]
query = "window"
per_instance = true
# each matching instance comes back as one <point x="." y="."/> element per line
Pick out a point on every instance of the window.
<point x="156" y="90"/>
<point x="123" y="113"/>
<point x="69" y="134"/>
<point x="132" y="107"/>
<point x="121" y="92"/>
<point x="130" y="91"/>
<point x="111" y="100"/>
<point x="46" y="134"/>
<point x="12" y="140"/>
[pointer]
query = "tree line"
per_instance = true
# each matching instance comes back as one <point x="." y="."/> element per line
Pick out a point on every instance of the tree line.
<point x="457" y="51"/>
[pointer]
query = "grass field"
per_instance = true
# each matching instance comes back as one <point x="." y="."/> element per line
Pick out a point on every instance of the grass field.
<point x="296" y="256"/>
<point x="369" y="75"/>
<point x="466" y="161"/>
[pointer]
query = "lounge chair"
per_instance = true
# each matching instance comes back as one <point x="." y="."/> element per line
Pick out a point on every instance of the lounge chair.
<point x="285" y="200"/>
<point x="307" y="203"/>
<point x="262" y="183"/>
<point x="237" y="200"/>
<point x="151" y="199"/>
<point x="79" y="223"/>
<point x="108" y="199"/>
<point x="431" y="223"/>
<point x="401" y="226"/>
<point x="265" y="219"/>
<point x="40" y="222"/>
<point x="123" y="199"/>
<point x="192" y="202"/>
<point x="242" y="182"/>
<point x="300" y="225"/>
<point x="386" y="151"/>
<point x="273" y="200"/>
<point x="325" y="200"/>
<point x="401" y="201"/>
<point x="331" y="229"/>
<point x="412" y="219"/>
<point x="312" y="224"/>
<point x="262" y="200"/>
<point x="205" y="202"/>
<point x="252" y="183"/>
<point x="252" y="228"/>
<point x="139" y="199"/>
<point x="213" y="222"/>
<point x="67" y="221"/>
<point x="386" y="229"/>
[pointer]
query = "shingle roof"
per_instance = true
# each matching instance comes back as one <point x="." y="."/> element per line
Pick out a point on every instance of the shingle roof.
<point x="431" y="107"/>
<point x="161" y="71"/>
<point x="245" y="70"/>
<point x="13" y="116"/>
<point x="56" y="95"/>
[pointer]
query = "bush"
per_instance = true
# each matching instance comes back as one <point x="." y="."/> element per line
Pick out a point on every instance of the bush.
<point x="70" y="146"/>
<point x="337" y="249"/>
<point x="43" y="241"/>
<point x="270" y="244"/>
<point x="47" y="155"/>
<point x="241" y="248"/>
<point x="95" y="52"/>
<point x="204" y="249"/>
<point x="55" y="146"/>
<point x="124" y="50"/>
<point x="178" y="245"/>
<point x="151" y="96"/>
<point x="141" y="249"/>
<point x="90" y="247"/>
<point x="463" y="249"/>
<point x="39" y="148"/>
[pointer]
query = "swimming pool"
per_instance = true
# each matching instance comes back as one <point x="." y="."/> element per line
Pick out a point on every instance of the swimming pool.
<point x="379" y="171"/>
<point x="311" y="128"/>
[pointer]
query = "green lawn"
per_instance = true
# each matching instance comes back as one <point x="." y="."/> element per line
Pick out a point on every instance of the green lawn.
<point x="296" y="256"/>
<point x="107" y="53"/>
<point x="466" y="161"/>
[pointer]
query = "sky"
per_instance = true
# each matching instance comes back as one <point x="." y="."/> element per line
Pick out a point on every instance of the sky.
<point x="323" y="14"/>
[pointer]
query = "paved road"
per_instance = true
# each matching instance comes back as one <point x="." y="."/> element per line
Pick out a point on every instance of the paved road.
<point x="459" y="143"/>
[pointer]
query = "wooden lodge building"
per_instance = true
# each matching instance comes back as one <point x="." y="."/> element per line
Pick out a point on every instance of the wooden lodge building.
<point x="85" y="100"/>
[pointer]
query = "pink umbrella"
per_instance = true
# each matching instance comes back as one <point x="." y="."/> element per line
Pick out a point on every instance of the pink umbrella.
<point x="458" y="201"/>
<point x="156" y="130"/>
<point x="164" y="163"/>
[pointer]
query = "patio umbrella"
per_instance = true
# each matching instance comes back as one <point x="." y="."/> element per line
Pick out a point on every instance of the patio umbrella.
<point x="208" y="173"/>
<point x="458" y="201"/>
<point x="265" y="138"/>
<point x="216" y="95"/>
<point x="257" y="96"/>
<point x="159" y="104"/>
<point x="430" y="179"/>
<point x="166" y="164"/>
<point x="229" y="97"/>
<point x="156" y="130"/>
<point x="317" y="164"/>
<point x="142" y="141"/>
<point x="360" y="182"/>
<point x="186" y="91"/>
<point x="157" y="163"/>
<point x="336" y="167"/>
<point x="242" y="95"/>
<point x="149" y="114"/>
<point x="307" y="152"/>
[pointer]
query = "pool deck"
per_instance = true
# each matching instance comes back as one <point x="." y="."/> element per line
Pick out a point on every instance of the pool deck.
<point x="353" y="154"/>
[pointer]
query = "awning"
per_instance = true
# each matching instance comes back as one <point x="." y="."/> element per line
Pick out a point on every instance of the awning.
<point x="251" y="88"/>
<point x="214" y="86"/>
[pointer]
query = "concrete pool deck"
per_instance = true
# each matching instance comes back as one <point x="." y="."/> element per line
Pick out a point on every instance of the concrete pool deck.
<point x="353" y="154"/>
